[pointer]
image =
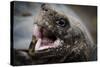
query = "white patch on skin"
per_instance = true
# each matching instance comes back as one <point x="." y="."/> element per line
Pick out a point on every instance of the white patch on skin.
<point x="46" y="23"/>
<point x="75" y="42"/>
<point x="57" y="43"/>
<point x="49" y="26"/>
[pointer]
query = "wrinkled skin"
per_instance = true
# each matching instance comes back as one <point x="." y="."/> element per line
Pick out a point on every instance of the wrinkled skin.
<point x="74" y="47"/>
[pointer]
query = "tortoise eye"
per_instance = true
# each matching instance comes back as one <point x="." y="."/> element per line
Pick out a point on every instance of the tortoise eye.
<point x="61" y="22"/>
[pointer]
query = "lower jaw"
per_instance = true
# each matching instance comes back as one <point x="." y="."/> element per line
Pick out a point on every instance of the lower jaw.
<point x="51" y="52"/>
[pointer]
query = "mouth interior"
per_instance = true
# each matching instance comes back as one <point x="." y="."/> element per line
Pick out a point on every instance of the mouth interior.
<point x="45" y="39"/>
<point x="45" y="43"/>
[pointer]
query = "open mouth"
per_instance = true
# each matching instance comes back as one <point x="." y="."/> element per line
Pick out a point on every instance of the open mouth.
<point x="45" y="38"/>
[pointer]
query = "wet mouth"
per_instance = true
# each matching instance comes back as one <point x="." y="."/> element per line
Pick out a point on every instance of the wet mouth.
<point x="45" y="38"/>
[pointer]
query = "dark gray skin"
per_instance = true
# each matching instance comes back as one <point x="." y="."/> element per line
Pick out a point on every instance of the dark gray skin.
<point x="75" y="46"/>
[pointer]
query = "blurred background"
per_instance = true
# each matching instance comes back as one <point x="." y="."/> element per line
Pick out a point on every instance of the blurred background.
<point x="24" y="13"/>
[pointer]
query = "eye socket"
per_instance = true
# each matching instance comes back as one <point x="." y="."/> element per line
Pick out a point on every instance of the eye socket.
<point x="61" y="22"/>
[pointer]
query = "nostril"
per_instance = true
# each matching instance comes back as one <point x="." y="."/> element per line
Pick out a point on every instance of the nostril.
<point x="43" y="6"/>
